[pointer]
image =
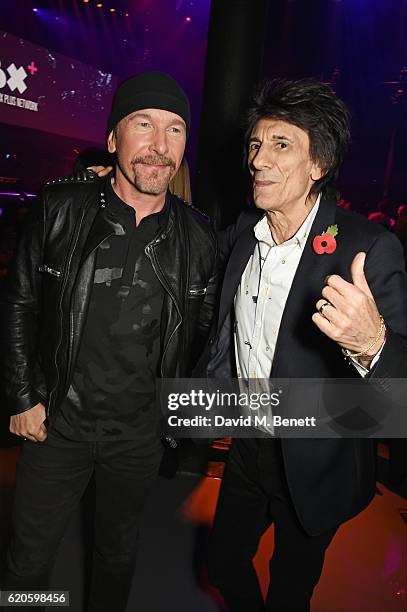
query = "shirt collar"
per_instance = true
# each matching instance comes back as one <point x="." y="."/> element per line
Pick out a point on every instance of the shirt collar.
<point x="118" y="207"/>
<point x="263" y="234"/>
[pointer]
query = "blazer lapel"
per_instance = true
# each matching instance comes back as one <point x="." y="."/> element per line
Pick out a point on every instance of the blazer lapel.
<point x="305" y="289"/>
<point x="238" y="259"/>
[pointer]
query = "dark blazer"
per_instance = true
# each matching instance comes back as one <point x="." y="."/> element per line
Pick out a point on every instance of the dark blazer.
<point x="330" y="480"/>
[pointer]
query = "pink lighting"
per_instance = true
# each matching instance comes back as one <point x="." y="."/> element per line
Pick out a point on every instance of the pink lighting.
<point x="14" y="194"/>
<point x="32" y="68"/>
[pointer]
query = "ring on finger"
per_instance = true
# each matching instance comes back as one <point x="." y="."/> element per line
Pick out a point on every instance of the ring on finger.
<point x="321" y="308"/>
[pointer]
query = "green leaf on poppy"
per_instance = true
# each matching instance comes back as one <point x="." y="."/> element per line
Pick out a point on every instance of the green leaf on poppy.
<point x="333" y="230"/>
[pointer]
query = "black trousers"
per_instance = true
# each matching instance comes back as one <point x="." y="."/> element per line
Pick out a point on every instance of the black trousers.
<point x="51" y="478"/>
<point x="253" y="495"/>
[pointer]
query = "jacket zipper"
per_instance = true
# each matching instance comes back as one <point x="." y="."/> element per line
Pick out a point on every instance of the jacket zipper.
<point x="60" y="310"/>
<point x="45" y="268"/>
<point x="197" y="291"/>
<point x="149" y="250"/>
<point x="71" y="317"/>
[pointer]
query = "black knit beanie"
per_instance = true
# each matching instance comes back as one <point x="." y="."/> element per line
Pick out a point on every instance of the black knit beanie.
<point x="148" y="90"/>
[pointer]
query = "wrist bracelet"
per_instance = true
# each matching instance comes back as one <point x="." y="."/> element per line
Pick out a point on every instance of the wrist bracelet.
<point x="347" y="353"/>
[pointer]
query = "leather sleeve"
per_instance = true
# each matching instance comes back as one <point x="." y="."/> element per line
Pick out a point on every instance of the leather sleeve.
<point x="20" y="307"/>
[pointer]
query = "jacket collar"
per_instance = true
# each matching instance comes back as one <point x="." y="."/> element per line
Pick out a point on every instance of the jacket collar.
<point x="241" y="252"/>
<point x="98" y="223"/>
<point x="310" y="262"/>
<point x="306" y="287"/>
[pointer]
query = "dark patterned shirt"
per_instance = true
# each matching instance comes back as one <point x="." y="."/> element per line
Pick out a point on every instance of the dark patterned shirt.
<point x="112" y="395"/>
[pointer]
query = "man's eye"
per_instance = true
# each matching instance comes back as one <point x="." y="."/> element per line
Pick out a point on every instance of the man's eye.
<point x="175" y="130"/>
<point x="282" y="145"/>
<point x="254" y="146"/>
<point x="144" y="124"/>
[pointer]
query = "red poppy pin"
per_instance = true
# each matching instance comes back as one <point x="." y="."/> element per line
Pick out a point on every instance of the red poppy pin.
<point x="326" y="243"/>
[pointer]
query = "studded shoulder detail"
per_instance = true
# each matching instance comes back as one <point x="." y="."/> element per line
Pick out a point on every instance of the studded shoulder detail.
<point x="194" y="208"/>
<point x="79" y="177"/>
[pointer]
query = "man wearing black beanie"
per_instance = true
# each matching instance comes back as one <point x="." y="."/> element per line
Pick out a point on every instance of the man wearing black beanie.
<point x="113" y="285"/>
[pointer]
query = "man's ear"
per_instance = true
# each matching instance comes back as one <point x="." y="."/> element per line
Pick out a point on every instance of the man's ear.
<point x="316" y="173"/>
<point x="111" y="142"/>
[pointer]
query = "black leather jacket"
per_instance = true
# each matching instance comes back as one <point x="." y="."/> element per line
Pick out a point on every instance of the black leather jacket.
<point x="45" y="301"/>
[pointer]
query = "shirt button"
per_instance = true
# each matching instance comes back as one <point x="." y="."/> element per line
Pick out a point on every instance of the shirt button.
<point x="267" y="348"/>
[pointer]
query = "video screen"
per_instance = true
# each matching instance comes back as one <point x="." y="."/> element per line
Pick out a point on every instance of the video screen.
<point x="46" y="91"/>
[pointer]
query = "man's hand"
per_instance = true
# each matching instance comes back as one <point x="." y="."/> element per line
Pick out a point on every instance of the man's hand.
<point x="30" y="424"/>
<point x="101" y="171"/>
<point x="348" y="313"/>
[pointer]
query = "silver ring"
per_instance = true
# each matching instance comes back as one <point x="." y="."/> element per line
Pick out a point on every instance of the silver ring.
<point x="321" y="308"/>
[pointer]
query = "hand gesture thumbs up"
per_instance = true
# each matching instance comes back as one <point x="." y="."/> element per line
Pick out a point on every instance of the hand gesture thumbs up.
<point x="347" y="313"/>
<point x="358" y="274"/>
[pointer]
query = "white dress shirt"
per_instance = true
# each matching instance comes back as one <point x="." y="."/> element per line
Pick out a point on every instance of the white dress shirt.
<point x="267" y="278"/>
<point x="261" y="297"/>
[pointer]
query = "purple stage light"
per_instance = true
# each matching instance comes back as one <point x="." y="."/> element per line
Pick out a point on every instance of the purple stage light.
<point x="35" y="10"/>
<point x="13" y="194"/>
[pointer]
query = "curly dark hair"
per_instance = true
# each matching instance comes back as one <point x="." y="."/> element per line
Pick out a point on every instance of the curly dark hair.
<point x="313" y="107"/>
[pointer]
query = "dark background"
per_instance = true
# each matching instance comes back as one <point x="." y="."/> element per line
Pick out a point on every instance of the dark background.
<point x="358" y="46"/>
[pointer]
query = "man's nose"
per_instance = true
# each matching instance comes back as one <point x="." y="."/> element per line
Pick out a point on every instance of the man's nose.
<point x="159" y="142"/>
<point x="262" y="160"/>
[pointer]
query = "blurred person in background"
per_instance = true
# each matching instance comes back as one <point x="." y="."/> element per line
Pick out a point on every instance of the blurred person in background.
<point x="180" y="184"/>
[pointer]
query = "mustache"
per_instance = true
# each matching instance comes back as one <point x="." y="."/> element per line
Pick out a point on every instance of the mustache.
<point x="159" y="160"/>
